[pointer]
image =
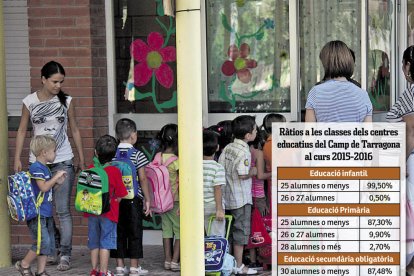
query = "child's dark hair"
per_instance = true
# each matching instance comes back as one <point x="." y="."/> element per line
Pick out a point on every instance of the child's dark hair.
<point x="223" y="129"/>
<point x="168" y="136"/>
<point x="124" y="128"/>
<point x="106" y="148"/>
<point x="210" y="142"/>
<point x="408" y="56"/>
<point x="242" y="125"/>
<point x="259" y="141"/>
<point x="226" y="133"/>
<point x="269" y="119"/>
<point x="51" y="68"/>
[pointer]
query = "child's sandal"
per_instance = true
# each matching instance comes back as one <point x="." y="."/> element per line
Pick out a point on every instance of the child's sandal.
<point x="24" y="271"/>
<point x="167" y="265"/>
<point x="175" y="266"/>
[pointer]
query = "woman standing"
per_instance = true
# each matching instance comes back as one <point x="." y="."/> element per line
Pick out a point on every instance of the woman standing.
<point x="50" y="110"/>
<point x="403" y="111"/>
<point x="337" y="99"/>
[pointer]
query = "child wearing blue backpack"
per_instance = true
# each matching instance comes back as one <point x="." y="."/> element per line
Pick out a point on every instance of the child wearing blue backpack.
<point x="131" y="209"/>
<point x="44" y="149"/>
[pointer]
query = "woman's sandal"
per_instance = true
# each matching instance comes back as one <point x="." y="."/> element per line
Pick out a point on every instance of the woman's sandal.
<point x="24" y="271"/>
<point x="64" y="263"/>
<point x="44" y="273"/>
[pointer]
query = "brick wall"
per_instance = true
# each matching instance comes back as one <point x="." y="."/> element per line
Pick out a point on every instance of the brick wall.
<point x="71" y="32"/>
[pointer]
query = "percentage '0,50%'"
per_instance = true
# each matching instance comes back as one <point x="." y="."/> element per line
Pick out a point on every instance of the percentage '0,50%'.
<point x="379" y="198"/>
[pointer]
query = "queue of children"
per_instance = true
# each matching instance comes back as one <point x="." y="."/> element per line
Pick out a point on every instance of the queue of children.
<point x="242" y="162"/>
<point x="234" y="174"/>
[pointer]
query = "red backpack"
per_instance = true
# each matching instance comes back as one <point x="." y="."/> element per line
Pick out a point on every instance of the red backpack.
<point x="162" y="199"/>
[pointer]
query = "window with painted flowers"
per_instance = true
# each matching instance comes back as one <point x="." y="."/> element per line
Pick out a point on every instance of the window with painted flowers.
<point x="248" y="56"/>
<point x="145" y="58"/>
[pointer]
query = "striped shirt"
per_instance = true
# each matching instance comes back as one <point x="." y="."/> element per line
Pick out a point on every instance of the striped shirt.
<point x="402" y="107"/>
<point x="339" y="101"/>
<point x="235" y="159"/>
<point x="213" y="175"/>
<point x="138" y="159"/>
<point x="257" y="184"/>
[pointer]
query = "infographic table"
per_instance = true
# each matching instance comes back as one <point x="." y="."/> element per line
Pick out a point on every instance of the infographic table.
<point x="345" y="220"/>
<point x="338" y="200"/>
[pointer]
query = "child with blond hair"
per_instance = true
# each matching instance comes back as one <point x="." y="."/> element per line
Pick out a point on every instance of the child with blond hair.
<point x="44" y="149"/>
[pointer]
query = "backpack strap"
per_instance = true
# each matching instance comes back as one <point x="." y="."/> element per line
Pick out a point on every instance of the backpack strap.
<point x="96" y="162"/>
<point x="39" y="201"/>
<point x="169" y="160"/>
<point x="157" y="158"/>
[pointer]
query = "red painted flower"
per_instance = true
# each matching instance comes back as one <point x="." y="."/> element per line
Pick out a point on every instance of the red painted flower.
<point x="151" y="58"/>
<point x="239" y="63"/>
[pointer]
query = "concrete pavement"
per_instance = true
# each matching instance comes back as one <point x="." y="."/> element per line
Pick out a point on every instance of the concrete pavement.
<point x="153" y="261"/>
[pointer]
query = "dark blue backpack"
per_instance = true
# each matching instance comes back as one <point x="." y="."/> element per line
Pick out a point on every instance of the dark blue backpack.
<point x="122" y="161"/>
<point x="217" y="260"/>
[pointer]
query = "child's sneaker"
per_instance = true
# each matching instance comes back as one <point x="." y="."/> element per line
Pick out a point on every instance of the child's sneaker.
<point x="136" y="271"/>
<point x="121" y="271"/>
<point x="108" y="273"/>
<point x="94" y="272"/>
<point x="244" y="270"/>
<point x="257" y="266"/>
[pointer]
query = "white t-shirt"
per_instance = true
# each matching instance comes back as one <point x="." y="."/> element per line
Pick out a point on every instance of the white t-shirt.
<point x="50" y="118"/>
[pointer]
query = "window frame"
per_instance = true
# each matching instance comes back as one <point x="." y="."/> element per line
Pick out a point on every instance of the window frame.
<point x="154" y="121"/>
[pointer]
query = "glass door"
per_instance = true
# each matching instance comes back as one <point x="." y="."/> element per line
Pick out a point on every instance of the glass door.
<point x="380" y="53"/>
<point x="248" y="59"/>
<point x="366" y="27"/>
<point x="321" y="21"/>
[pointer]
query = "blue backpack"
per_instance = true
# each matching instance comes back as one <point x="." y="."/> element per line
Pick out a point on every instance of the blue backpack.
<point x="217" y="260"/>
<point x="122" y="161"/>
<point x="23" y="205"/>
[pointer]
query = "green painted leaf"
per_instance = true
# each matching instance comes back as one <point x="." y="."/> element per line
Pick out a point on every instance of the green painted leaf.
<point x="260" y="35"/>
<point x="147" y="153"/>
<point x="225" y="23"/>
<point x="170" y="103"/>
<point x="140" y="95"/>
<point x="160" y="8"/>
